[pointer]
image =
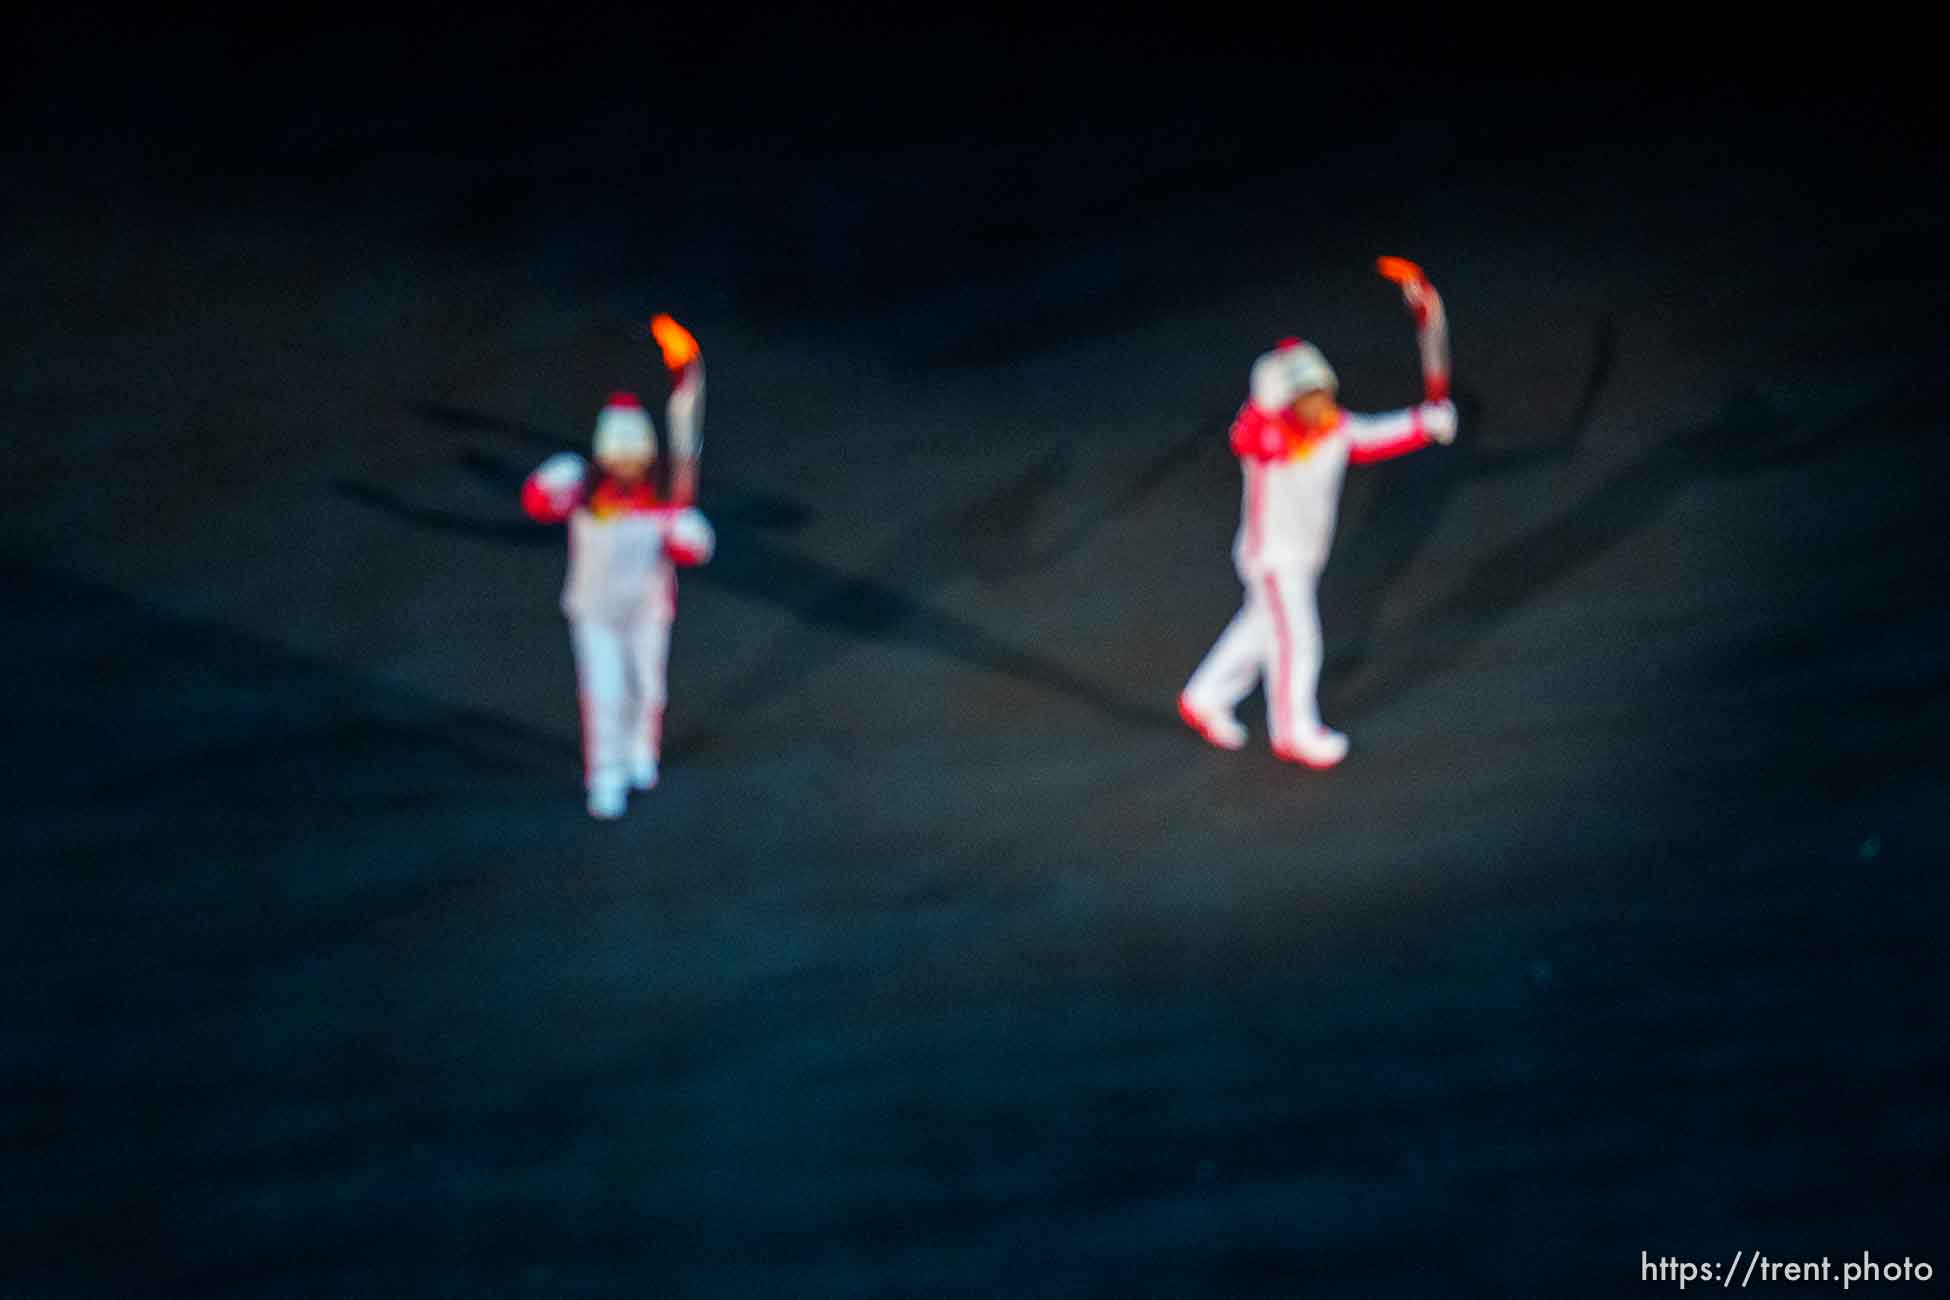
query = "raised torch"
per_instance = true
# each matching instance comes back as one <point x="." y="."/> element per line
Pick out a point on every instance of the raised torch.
<point x="684" y="416"/>
<point x="1431" y="326"/>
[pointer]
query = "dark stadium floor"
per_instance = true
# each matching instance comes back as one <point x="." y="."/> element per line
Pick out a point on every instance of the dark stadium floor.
<point x="946" y="962"/>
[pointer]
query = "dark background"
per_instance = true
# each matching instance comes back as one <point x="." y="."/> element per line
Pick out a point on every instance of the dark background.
<point x="945" y="961"/>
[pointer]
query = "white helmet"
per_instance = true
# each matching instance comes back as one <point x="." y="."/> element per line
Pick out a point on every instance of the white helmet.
<point x="623" y="430"/>
<point x="1288" y="371"/>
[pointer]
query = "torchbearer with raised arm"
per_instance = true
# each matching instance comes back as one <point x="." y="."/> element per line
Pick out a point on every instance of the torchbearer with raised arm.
<point x="1294" y="443"/>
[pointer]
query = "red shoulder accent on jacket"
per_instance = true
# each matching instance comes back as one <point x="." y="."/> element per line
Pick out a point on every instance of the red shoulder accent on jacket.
<point x="1257" y="435"/>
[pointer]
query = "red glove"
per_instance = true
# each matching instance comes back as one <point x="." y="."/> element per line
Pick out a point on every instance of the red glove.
<point x="690" y="540"/>
<point x="555" y="489"/>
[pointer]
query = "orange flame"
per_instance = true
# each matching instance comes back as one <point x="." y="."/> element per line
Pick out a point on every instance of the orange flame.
<point x="679" y="348"/>
<point x="1400" y="270"/>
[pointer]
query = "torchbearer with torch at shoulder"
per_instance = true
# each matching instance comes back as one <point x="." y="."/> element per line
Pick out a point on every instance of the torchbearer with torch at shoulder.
<point x="1294" y="443"/>
<point x="626" y="542"/>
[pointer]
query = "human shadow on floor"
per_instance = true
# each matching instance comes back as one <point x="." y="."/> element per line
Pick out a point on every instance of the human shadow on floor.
<point x="825" y="600"/>
<point x="505" y="530"/>
<point x="1371" y="564"/>
<point x="1015" y="502"/>
<point x="821" y="597"/>
<point x="1748" y="437"/>
<point x="728" y="502"/>
<point x="991" y="529"/>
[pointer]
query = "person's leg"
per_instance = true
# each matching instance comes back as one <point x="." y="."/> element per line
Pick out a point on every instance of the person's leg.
<point x="649" y="657"/>
<point x="602" y="681"/>
<point x="1226" y="676"/>
<point x="1293" y="674"/>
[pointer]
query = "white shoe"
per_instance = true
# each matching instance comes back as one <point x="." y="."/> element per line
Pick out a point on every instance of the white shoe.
<point x="1319" y="749"/>
<point x="643" y="776"/>
<point x="1222" y="732"/>
<point x="606" y="802"/>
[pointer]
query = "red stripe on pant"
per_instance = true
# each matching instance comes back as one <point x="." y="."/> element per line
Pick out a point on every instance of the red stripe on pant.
<point x="1280" y="681"/>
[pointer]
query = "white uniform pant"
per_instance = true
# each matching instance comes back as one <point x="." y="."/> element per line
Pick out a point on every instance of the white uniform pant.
<point x="1275" y="636"/>
<point x="620" y="679"/>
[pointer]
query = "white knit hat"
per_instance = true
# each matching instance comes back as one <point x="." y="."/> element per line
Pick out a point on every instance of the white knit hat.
<point x="1288" y="371"/>
<point x="623" y="430"/>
